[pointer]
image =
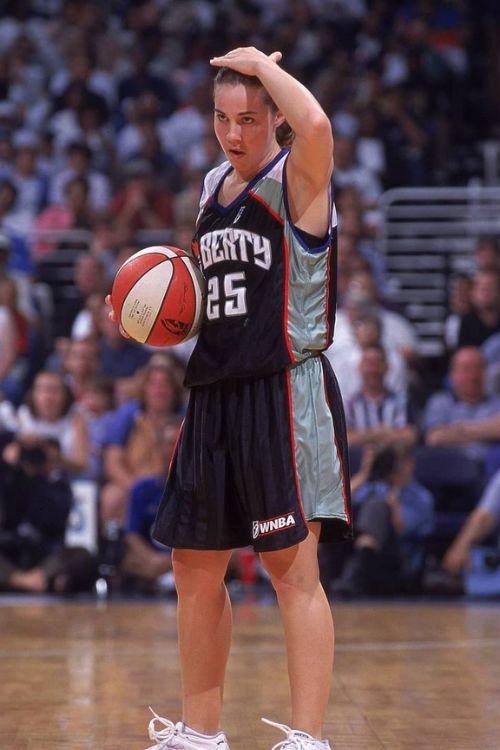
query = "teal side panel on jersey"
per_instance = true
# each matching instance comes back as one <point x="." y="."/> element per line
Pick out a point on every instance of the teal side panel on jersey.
<point x="307" y="297"/>
<point x="317" y="460"/>
<point x="307" y="277"/>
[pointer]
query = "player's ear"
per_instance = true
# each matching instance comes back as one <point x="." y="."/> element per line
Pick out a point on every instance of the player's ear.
<point x="279" y="118"/>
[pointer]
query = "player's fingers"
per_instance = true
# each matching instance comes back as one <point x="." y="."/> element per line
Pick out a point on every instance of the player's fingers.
<point x="123" y="332"/>
<point x="276" y="57"/>
<point x="111" y="312"/>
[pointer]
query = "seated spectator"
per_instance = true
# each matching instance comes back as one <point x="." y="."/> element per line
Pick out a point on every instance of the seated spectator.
<point x="141" y="79"/>
<point x="144" y="558"/>
<point x="393" y="516"/>
<point x="487" y="254"/>
<point x="346" y="360"/>
<point x="71" y="214"/>
<point x="89" y="278"/>
<point x="405" y="139"/>
<point x="35" y="501"/>
<point x="96" y="405"/>
<point x="81" y="362"/>
<point x="119" y="357"/>
<point x="140" y="204"/>
<point x="79" y="157"/>
<point x="48" y="413"/>
<point x="25" y="295"/>
<point x="7" y="419"/>
<point x="20" y="259"/>
<point x="86" y="323"/>
<point x="349" y="172"/>
<point x="479" y="526"/>
<point x="136" y="452"/>
<point x="9" y="388"/>
<point x="30" y="182"/>
<point x="464" y="416"/>
<point x="483" y="320"/>
<point x="361" y="299"/>
<point x="15" y="337"/>
<point x="376" y="415"/>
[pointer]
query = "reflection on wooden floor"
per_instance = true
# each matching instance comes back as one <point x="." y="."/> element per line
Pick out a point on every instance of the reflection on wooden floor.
<point x="81" y="675"/>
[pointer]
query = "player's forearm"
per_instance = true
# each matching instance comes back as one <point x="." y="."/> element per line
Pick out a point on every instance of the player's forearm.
<point x="479" y="524"/>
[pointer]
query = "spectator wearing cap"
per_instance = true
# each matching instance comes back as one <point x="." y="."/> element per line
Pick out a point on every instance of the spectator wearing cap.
<point x="78" y="158"/>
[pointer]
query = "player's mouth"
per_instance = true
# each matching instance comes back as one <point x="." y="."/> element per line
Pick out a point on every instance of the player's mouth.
<point x="236" y="152"/>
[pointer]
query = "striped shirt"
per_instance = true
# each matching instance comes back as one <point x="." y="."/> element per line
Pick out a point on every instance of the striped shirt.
<point x="391" y="410"/>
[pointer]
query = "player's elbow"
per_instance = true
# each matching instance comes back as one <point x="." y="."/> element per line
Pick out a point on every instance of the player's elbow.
<point x="320" y="127"/>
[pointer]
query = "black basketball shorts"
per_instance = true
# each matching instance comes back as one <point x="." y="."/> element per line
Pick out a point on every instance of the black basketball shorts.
<point x="257" y="459"/>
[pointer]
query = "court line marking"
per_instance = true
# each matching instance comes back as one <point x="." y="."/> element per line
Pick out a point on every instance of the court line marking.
<point x="165" y="648"/>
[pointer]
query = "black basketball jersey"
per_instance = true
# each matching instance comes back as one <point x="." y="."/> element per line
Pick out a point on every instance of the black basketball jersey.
<point x="270" y="298"/>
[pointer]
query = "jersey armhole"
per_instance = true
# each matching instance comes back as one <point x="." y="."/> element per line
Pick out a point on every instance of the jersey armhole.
<point x="306" y="240"/>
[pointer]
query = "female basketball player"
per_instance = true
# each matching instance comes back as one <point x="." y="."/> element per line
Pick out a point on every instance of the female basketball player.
<point x="261" y="459"/>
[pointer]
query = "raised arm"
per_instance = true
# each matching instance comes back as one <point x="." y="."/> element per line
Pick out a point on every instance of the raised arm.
<point x="310" y="164"/>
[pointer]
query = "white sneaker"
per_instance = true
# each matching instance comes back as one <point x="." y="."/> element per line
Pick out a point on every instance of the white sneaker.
<point x="178" y="737"/>
<point x="296" y="740"/>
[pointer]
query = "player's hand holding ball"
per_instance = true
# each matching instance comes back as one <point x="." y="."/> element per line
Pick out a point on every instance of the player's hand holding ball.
<point x="158" y="296"/>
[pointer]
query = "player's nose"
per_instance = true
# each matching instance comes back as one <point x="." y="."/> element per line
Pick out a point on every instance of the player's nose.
<point x="234" y="133"/>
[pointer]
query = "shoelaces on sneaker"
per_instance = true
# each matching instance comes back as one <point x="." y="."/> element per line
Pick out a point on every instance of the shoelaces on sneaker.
<point x="162" y="735"/>
<point x="294" y="740"/>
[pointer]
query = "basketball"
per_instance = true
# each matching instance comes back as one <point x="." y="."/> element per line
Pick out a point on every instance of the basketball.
<point x="158" y="296"/>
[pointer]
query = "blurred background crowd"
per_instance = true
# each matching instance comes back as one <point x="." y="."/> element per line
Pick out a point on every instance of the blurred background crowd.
<point x="105" y="134"/>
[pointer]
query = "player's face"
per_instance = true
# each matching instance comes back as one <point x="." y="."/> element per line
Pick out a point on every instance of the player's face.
<point x="245" y="127"/>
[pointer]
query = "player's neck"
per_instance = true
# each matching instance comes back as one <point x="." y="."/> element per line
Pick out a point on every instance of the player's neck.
<point x="242" y="178"/>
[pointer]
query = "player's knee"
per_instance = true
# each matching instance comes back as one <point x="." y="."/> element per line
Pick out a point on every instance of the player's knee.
<point x="290" y="583"/>
<point x="194" y="579"/>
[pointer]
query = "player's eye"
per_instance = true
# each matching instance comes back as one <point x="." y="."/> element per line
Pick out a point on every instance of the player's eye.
<point x="248" y="120"/>
<point x="221" y="117"/>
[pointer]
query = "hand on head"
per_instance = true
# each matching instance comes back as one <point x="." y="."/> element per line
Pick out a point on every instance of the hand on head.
<point x="244" y="59"/>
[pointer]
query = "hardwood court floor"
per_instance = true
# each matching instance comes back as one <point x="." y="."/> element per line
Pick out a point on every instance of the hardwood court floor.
<point x="81" y="675"/>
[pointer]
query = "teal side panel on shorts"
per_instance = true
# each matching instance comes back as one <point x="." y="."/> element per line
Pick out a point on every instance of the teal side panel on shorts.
<point x="318" y="464"/>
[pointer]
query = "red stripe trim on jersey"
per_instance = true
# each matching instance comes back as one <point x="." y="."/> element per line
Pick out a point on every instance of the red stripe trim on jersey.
<point x="292" y="444"/>
<point x="339" y="453"/>
<point x="286" y="261"/>
<point x="267" y="207"/>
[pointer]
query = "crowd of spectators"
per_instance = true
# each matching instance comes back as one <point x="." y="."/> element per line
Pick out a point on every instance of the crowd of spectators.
<point x="105" y="132"/>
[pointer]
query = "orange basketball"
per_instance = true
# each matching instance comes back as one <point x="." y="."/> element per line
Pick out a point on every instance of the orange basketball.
<point x="158" y="296"/>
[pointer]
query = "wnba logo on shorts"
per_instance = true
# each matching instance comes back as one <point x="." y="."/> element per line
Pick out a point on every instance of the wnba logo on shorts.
<point x="272" y="525"/>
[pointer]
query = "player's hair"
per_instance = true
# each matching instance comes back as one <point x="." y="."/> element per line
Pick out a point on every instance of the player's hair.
<point x="284" y="133"/>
